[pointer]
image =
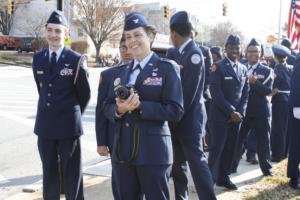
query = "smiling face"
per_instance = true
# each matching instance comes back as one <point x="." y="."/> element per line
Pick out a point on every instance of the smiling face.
<point x="138" y="43"/>
<point x="55" y="35"/>
<point x="253" y="54"/>
<point x="233" y="51"/>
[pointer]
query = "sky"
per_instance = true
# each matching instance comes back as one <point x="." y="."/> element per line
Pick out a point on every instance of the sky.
<point x="255" y="18"/>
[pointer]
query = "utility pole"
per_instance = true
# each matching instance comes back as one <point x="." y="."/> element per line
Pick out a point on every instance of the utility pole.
<point x="60" y="5"/>
<point x="279" y="22"/>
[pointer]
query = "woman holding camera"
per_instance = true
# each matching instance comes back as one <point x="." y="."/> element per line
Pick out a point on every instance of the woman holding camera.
<point x="142" y="148"/>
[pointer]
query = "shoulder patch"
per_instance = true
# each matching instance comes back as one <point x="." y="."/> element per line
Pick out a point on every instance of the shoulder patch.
<point x="195" y="58"/>
<point x="213" y="68"/>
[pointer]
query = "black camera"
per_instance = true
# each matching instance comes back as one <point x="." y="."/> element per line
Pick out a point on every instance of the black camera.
<point x="123" y="92"/>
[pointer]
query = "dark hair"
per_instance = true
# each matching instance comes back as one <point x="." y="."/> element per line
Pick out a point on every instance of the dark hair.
<point x="150" y="29"/>
<point x="182" y="29"/>
<point x="122" y="38"/>
<point x="279" y="57"/>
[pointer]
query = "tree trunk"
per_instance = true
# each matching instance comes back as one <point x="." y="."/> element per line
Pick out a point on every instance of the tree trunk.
<point x="98" y="53"/>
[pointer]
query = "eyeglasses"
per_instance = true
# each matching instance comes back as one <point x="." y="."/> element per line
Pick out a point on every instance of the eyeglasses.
<point x="123" y="48"/>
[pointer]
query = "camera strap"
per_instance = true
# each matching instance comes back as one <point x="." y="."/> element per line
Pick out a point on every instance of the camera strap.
<point x="135" y="142"/>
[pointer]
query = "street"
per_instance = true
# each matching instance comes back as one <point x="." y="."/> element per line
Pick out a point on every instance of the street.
<point x="19" y="159"/>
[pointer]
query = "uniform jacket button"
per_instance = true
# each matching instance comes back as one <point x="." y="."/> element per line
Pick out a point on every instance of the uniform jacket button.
<point x="48" y="104"/>
<point x="50" y="85"/>
<point x="49" y="94"/>
<point x="127" y="124"/>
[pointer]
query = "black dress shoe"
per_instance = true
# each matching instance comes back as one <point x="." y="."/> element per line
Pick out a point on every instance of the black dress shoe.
<point x="234" y="170"/>
<point x="294" y="183"/>
<point x="269" y="173"/>
<point x="227" y="183"/>
<point x="276" y="160"/>
<point x="252" y="161"/>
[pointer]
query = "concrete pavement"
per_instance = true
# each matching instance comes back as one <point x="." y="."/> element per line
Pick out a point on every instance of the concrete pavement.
<point x="97" y="183"/>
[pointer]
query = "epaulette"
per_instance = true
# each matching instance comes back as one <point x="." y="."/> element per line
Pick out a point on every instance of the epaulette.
<point x="168" y="61"/>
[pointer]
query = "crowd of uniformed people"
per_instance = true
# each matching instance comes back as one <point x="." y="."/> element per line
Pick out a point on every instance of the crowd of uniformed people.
<point x="154" y="115"/>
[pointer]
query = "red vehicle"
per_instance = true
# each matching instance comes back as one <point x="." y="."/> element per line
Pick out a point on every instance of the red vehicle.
<point x="9" y="42"/>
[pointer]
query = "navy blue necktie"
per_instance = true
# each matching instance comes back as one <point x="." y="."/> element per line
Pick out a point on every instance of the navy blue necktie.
<point x="137" y="67"/>
<point x="52" y="62"/>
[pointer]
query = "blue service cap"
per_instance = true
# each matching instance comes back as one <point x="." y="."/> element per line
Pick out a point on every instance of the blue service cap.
<point x="57" y="17"/>
<point x="180" y="17"/>
<point x="233" y="39"/>
<point x="281" y="50"/>
<point x="287" y="43"/>
<point x="216" y="50"/>
<point x="135" y="20"/>
<point x="254" y="42"/>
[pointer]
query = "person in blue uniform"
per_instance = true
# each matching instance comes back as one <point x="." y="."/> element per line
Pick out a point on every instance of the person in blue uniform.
<point x="216" y="53"/>
<point x="61" y="77"/>
<point x="280" y="94"/>
<point x="229" y="88"/>
<point x="258" y="113"/>
<point x="188" y="132"/>
<point x="294" y="128"/>
<point x="208" y="61"/>
<point x="142" y="147"/>
<point x="104" y="128"/>
<point x="173" y="54"/>
<point x="292" y="57"/>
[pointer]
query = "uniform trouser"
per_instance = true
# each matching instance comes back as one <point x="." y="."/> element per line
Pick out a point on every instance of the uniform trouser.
<point x="294" y="149"/>
<point x="250" y="145"/>
<point x="192" y="153"/>
<point x="261" y="128"/>
<point x="279" y="141"/>
<point x="113" y="179"/>
<point x="222" y="148"/>
<point x="206" y="136"/>
<point x="70" y="154"/>
<point x="133" y="181"/>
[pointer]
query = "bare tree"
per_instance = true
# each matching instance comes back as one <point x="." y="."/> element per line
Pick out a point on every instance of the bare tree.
<point x="221" y="31"/>
<point x="35" y="27"/>
<point x="102" y="20"/>
<point x="6" y="22"/>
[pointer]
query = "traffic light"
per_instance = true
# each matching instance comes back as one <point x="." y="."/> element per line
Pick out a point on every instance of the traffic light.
<point x="225" y="9"/>
<point x="166" y="11"/>
<point x="9" y="7"/>
<point x="12" y="7"/>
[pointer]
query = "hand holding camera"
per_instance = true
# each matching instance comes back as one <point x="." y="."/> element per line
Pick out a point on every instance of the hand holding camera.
<point x="127" y="99"/>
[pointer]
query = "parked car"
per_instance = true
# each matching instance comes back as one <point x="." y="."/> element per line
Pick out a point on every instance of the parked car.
<point x="9" y="42"/>
<point x="26" y="45"/>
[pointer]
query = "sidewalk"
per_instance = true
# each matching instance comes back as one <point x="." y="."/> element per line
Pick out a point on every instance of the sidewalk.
<point x="97" y="183"/>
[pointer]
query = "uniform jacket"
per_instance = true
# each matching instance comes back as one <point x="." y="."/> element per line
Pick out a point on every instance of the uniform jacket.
<point x="258" y="103"/>
<point x="160" y="92"/>
<point x="282" y="81"/>
<point x="192" y="71"/>
<point x="294" y="98"/>
<point x="173" y="54"/>
<point x="207" y="63"/>
<point x="229" y="90"/>
<point x="105" y="128"/>
<point x="63" y="96"/>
